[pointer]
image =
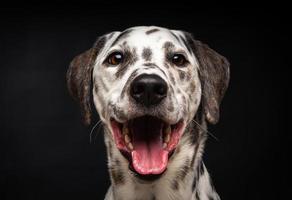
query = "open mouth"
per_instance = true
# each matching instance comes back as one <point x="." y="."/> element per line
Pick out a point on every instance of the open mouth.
<point x="147" y="142"/>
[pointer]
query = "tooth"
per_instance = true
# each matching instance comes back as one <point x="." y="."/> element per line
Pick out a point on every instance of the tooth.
<point x="167" y="132"/>
<point x="130" y="146"/>
<point x="166" y="138"/>
<point x="168" y="129"/>
<point x="125" y="129"/>
<point x="127" y="138"/>
<point x="164" y="145"/>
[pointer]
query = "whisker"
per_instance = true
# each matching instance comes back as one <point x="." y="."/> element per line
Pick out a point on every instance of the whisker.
<point x="90" y="135"/>
<point x="212" y="135"/>
<point x="98" y="129"/>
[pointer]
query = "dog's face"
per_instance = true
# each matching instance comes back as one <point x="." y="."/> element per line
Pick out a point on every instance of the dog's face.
<point x="144" y="72"/>
<point x="147" y="84"/>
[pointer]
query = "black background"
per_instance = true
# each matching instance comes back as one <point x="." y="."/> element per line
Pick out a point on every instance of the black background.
<point x="44" y="149"/>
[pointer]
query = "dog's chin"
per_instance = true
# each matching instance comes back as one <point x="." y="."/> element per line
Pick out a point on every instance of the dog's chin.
<point x="147" y="142"/>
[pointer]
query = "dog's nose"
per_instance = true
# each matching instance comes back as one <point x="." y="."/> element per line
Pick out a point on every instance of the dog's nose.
<point x="148" y="89"/>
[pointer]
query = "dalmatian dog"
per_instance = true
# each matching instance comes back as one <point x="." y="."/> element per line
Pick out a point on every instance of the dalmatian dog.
<point x="154" y="90"/>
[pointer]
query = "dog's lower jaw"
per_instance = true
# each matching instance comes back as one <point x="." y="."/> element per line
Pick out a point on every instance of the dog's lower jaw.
<point x="186" y="177"/>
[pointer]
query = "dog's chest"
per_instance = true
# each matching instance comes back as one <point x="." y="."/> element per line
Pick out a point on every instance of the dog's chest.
<point x="146" y="192"/>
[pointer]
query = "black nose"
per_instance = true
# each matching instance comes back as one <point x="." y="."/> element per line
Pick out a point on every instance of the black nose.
<point x="148" y="89"/>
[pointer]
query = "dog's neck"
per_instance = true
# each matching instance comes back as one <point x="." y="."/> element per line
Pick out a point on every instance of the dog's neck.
<point x="186" y="177"/>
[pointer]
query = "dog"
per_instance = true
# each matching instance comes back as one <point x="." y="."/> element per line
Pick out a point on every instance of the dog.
<point x="155" y="90"/>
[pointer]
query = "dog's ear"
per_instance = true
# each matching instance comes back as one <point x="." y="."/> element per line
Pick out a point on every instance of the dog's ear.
<point x="79" y="78"/>
<point x="214" y="76"/>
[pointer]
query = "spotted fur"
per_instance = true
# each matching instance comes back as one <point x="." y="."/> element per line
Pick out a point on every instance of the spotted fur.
<point x="195" y="93"/>
<point x="147" y="54"/>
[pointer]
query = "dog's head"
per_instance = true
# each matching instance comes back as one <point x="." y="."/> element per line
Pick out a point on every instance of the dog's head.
<point x="147" y="84"/>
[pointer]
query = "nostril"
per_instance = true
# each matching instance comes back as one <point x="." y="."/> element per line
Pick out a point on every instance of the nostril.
<point x="138" y="89"/>
<point x="160" y="89"/>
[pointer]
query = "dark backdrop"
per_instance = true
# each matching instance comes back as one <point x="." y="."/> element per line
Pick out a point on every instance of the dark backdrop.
<point x="44" y="149"/>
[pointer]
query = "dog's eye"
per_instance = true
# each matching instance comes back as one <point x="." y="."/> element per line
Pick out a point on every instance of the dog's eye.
<point x="178" y="60"/>
<point x="115" y="58"/>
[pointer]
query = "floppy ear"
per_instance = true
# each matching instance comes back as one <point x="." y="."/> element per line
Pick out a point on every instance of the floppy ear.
<point x="79" y="78"/>
<point x="214" y="76"/>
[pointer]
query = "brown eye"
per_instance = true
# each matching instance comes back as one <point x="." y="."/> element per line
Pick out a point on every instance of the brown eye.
<point x="115" y="58"/>
<point x="178" y="60"/>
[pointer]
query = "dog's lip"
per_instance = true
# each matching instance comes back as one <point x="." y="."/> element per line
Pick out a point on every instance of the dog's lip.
<point x="127" y="148"/>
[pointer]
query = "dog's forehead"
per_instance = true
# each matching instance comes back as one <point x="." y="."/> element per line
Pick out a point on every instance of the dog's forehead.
<point x="151" y="36"/>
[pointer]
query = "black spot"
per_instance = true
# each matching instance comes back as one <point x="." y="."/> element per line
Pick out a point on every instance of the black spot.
<point x="192" y="87"/>
<point x="193" y="159"/>
<point x="175" y="185"/>
<point x="117" y="176"/>
<point x="153" y="197"/>
<point x="181" y="174"/>
<point x="147" y="54"/>
<point x="182" y="74"/>
<point x="151" y="31"/>
<point x="197" y="196"/>
<point x="117" y="162"/>
<point x="172" y="79"/>
<point x="166" y="65"/>
<point x="125" y="43"/>
<point x="168" y="46"/>
<point x="184" y="170"/>
<point x="96" y="88"/>
<point x="171" y="90"/>
<point x="201" y="168"/>
<point x="184" y="100"/>
<point x="122" y="35"/>
<point x="188" y="76"/>
<point x="194" y="185"/>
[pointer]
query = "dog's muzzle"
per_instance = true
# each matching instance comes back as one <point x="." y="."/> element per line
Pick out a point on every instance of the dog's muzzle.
<point x="147" y="141"/>
<point x="148" y="89"/>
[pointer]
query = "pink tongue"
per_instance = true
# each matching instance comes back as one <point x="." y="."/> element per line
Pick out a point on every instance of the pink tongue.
<point x="149" y="157"/>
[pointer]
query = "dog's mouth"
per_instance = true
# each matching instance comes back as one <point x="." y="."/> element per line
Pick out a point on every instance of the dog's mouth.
<point x="147" y="142"/>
